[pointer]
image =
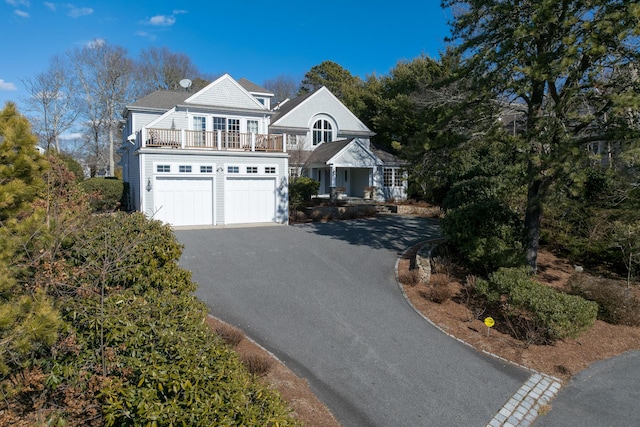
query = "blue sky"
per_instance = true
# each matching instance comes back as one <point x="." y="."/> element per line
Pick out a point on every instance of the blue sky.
<point x="253" y="39"/>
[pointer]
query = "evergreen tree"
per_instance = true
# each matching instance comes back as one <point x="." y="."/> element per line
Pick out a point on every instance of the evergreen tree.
<point x="21" y="165"/>
<point x="570" y="63"/>
<point x="28" y="321"/>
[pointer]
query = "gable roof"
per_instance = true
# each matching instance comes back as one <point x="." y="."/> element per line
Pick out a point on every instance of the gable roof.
<point x="326" y="151"/>
<point x="161" y="100"/>
<point x="297" y="114"/>
<point x="346" y="153"/>
<point x="254" y="88"/>
<point x="386" y="156"/>
<point x="290" y="105"/>
<point x="225" y="92"/>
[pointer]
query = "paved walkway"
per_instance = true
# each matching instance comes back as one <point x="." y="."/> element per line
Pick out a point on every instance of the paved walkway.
<point x="324" y="299"/>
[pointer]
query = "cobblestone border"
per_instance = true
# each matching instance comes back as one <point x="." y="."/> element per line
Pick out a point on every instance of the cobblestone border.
<point x="524" y="406"/>
<point x="522" y="409"/>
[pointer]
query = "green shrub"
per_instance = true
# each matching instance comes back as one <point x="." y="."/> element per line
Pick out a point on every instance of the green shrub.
<point x="518" y="295"/>
<point x="486" y="233"/>
<point x="72" y="165"/>
<point x="301" y="190"/>
<point x="616" y="303"/>
<point x="166" y="366"/>
<point x="130" y="251"/>
<point x="106" y="194"/>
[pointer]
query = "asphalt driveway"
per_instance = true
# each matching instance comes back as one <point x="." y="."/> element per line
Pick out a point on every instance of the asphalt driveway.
<point x="323" y="298"/>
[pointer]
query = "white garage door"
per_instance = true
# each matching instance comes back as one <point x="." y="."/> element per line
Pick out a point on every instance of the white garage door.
<point x="184" y="201"/>
<point x="249" y="200"/>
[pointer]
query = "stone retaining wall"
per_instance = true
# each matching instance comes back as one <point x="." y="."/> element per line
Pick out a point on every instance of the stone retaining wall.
<point x="423" y="259"/>
<point x="429" y="211"/>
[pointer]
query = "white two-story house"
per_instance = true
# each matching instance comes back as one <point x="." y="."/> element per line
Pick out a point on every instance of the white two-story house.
<point x="328" y="143"/>
<point x="221" y="155"/>
<point x="205" y="158"/>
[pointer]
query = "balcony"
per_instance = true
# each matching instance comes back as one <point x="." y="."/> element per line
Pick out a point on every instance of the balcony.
<point x="212" y="140"/>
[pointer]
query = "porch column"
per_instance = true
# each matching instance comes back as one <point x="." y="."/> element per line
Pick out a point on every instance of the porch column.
<point x="333" y="176"/>
<point x="332" y="187"/>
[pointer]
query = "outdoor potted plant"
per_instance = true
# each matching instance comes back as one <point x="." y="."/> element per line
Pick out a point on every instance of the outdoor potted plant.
<point x="369" y="191"/>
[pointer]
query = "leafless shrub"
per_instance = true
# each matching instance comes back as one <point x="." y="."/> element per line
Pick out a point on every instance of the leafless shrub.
<point x="439" y="289"/>
<point x="468" y="289"/>
<point x="257" y="364"/>
<point x="298" y="216"/>
<point x="230" y="335"/>
<point x="410" y="277"/>
<point x="526" y="329"/>
<point x="617" y="304"/>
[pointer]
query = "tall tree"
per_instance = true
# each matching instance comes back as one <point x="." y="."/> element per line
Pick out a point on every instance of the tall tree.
<point x="105" y="75"/>
<point x="283" y="86"/>
<point x="346" y="87"/>
<point x="21" y="166"/>
<point x="161" y="68"/>
<point x="563" y="59"/>
<point x="52" y="98"/>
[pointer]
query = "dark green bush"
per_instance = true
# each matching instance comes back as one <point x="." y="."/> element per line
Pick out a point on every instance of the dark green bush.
<point x="518" y="295"/>
<point x="105" y="194"/>
<point x="616" y="303"/>
<point x="485" y="232"/>
<point x="130" y="251"/>
<point x="301" y="190"/>
<point x="166" y="366"/>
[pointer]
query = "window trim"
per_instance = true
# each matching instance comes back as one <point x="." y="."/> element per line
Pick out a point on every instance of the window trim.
<point x="322" y="130"/>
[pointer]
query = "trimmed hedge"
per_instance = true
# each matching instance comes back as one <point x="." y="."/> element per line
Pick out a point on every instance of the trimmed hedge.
<point x="518" y="295"/>
<point x="105" y="194"/>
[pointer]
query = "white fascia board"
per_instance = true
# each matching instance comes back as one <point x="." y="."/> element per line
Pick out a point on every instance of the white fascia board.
<point x="377" y="161"/>
<point x="153" y="122"/>
<point x="233" y="81"/>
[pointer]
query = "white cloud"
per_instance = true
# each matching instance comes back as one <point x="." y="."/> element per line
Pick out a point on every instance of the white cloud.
<point x="162" y="20"/>
<point x="51" y="6"/>
<point x="16" y="3"/>
<point x="76" y="12"/>
<point x="7" y="86"/>
<point x="146" y="35"/>
<point x="21" y="13"/>
<point x="71" y="136"/>
<point x="179" y="12"/>
<point x="95" y="43"/>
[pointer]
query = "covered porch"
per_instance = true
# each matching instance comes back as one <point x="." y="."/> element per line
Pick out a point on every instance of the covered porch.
<point x="344" y="182"/>
<point x="344" y="169"/>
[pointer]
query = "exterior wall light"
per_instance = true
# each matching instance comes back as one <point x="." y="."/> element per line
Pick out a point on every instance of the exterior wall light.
<point x="149" y="187"/>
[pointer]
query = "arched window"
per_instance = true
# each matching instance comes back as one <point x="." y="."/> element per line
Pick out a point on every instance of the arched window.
<point x="322" y="132"/>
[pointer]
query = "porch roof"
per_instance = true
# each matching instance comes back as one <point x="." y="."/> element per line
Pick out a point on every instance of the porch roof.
<point x="350" y="153"/>
<point x="326" y="151"/>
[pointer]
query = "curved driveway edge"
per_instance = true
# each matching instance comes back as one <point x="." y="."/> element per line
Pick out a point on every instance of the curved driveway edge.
<point x="605" y="394"/>
<point x="323" y="298"/>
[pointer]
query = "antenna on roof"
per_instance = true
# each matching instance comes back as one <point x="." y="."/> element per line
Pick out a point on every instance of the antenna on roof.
<point x="185" y="83"/>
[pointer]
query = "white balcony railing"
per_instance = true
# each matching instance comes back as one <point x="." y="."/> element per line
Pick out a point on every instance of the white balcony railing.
<point x="212" y="140"/>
